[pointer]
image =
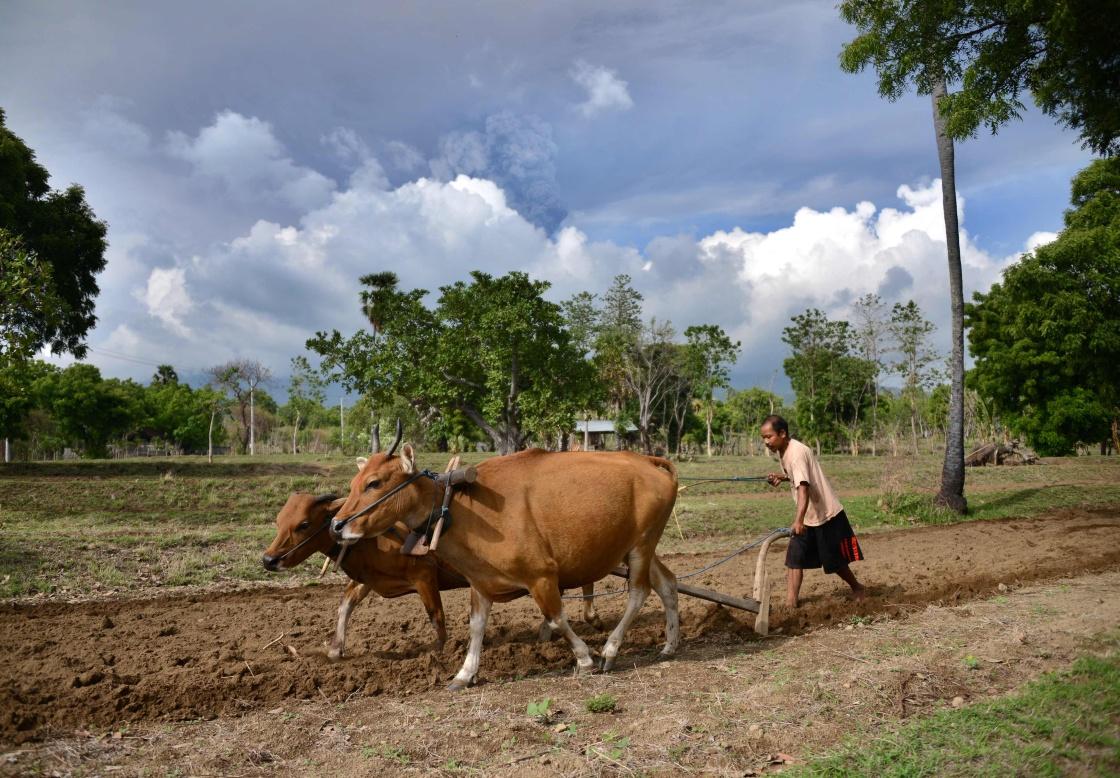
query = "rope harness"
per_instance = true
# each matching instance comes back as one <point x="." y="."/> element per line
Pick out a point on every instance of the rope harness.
<point x="780" y="532"/>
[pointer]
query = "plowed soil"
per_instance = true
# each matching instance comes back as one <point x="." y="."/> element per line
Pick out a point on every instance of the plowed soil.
<point x="211" y="655"/>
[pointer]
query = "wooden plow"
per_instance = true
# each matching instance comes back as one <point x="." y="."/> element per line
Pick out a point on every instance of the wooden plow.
<point x="759" y="601"/>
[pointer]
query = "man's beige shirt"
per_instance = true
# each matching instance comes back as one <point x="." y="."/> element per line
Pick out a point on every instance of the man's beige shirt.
<point x="800" y="466"/>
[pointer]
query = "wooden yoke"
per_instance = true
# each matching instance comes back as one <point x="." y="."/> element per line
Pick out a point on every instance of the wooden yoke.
<point x="451" y="477"/>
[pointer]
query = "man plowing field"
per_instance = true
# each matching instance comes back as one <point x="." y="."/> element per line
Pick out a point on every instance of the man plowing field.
<point x="822" y="536"/>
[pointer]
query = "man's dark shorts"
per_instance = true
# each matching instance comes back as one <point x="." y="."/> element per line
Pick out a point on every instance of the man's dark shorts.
<point x="832" y="545"/>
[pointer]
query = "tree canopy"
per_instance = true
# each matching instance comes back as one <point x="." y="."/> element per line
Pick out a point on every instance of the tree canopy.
<point x="1047" y="338"/>
<point x="59" y="236"/>
<point x="1064" y="52"/>
<point x="493" y="350"/>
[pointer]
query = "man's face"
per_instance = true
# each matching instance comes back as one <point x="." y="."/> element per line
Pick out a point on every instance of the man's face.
<point x="775" y="441"/>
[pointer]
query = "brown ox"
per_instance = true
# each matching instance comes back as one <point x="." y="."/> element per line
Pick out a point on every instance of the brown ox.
<point x="376" y="565"/>
<point x="533" y="522"/>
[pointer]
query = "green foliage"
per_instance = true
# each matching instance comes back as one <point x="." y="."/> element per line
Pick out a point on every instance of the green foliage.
<point x="28" y="300"/>
<point x="710" y="355"/>
<point x="538" y="709"/>
<point x="493" y="350"/>
<point x="1063" y="52"/>
<point x="831" y="383"/>
<point x="60" y="232"/>
<point x="1047" y="338"/>
<point x="601" y="703"/>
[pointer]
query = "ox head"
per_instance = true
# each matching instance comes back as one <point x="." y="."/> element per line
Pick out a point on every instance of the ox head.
<point x="384" y="491"/>
<point x="301" y="530"/>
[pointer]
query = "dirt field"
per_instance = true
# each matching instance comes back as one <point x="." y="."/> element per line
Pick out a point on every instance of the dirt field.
<point x="101" y="665"/>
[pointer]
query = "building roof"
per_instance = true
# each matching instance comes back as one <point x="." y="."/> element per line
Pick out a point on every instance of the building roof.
<point x="600" y="425"/>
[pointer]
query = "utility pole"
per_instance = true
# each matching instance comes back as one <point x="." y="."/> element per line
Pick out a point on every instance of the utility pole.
<point x="341" y="427"/>
<point x="7" y="451"/>
<point x="252" y="426"/>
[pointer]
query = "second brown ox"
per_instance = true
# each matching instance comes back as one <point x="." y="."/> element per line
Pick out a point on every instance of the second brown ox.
<point x="533" y="522"/>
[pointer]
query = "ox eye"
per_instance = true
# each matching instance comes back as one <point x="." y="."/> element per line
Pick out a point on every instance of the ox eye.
<point x="304" y="525"/>
<point x="373" y="484"/>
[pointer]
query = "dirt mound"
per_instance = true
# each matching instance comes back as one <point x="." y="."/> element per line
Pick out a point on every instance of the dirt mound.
<point x="101" y="663"/>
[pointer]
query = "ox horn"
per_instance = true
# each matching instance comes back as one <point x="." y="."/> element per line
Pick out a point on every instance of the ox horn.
<point x="396" y="441"/>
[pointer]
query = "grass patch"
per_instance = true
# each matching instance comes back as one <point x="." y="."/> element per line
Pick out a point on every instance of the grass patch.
<point x="1064" y="723"/>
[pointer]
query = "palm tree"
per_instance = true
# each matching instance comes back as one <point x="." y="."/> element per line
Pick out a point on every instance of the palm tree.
<point x="951" y="493"/>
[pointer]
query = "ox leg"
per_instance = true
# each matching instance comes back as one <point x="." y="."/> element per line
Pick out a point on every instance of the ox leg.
<point x="639" y="591"/>
<point x="546" y="594"/>
<point x="544" y="634"/>
<point x="433" y="604"/>
<point x="480" y="613"/>
<point x="665" y="584"/>
<point x="354" y="594"/>
<point x="590" y="615"/>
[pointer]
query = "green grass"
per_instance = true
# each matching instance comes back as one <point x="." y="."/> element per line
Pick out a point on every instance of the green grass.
<point x="1064" y="723"/>
<point x="84" y="526"/>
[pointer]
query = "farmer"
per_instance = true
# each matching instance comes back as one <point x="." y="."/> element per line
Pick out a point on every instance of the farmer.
<point x="821" y="532"/>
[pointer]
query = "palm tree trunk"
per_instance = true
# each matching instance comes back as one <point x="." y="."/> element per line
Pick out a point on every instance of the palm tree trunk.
<point x="951" y="494"/>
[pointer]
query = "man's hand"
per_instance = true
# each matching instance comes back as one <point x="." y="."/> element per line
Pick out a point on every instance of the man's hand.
<point x="775" y="478"/>
<point x="798" y="527"/>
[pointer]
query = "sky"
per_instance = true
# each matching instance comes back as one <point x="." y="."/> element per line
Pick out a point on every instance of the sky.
<point x="253" y="159"/>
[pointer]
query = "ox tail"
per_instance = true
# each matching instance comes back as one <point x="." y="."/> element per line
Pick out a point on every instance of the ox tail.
<point x="665" y="465"/>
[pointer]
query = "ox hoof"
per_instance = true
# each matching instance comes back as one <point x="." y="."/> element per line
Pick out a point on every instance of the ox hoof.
<point x="457" y="686"/>
<point x="608" y="663"/>
<point x="335" y="654"/>
<point x="582" y="671"/>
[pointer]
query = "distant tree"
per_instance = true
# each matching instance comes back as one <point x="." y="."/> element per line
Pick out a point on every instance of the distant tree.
<point x="649" y="373"/>
<point x="1047" y="337"/>
<point x="581" y="317"/>
<point x="165" y="374"/>
<point x="61" y="232"/>
<point x="1063" y="52"/>
<point x="871" y="330"/>
<point x="815" y="344"/>
<point x="89" y="411"/>
<point x="493" y="350"/>
<point x="306" y="395"/>
<point x="917" y="359"/>
<point x="747" y="408"/>
<point x="618" y="333"/>
<point x="711" y="355"/>
<point x="239" y="380"/>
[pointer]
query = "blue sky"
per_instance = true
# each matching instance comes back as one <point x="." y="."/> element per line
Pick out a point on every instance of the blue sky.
<point x="253" y="159"/>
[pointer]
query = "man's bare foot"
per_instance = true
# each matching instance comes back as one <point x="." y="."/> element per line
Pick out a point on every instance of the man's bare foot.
<point x="859" y="593"/>
<point x="792" y="603"/>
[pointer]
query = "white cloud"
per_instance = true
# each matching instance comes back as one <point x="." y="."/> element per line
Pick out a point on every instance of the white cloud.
<point x="605" y="90"/>
<point x="264" y="293"/>
<point x="167" y="298"/>
<point x="245" y="156"/>
<point x="1040" y="239"/>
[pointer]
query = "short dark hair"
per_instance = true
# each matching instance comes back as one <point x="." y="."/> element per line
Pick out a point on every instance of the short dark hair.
<point x="777" y="423"/>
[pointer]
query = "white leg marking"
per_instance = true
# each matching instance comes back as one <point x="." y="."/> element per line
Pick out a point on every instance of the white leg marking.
<point x="579" y="648"/>
<point x="544" y="634"/>
<point x="480" y="613"/>
<point x="665" y="583"/>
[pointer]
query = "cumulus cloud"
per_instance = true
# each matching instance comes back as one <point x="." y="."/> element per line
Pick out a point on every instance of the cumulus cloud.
<point x="167" y="298"/>
<point x="1040" y="239"/>
<point x="516" y="152"/>
<point x="263" y="293"/>
<point x="605" y="90"/>
<point x="243" y="154"/>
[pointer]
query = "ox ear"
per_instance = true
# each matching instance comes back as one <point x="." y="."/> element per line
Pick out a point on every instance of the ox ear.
<point x="361" y="461"/>
<point x="408" y="459"/>
<point x="336" y="506"/>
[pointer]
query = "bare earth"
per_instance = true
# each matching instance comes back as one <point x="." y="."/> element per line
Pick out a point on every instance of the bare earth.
<point x="187" y="683"/>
